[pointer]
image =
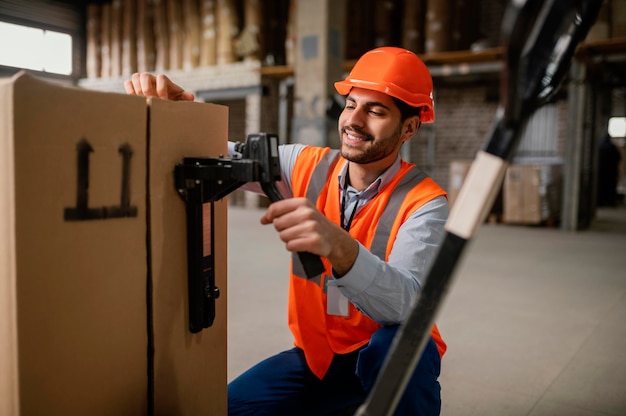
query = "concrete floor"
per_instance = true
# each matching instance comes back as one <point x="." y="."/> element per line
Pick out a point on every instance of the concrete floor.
<point x="535" y="321"/>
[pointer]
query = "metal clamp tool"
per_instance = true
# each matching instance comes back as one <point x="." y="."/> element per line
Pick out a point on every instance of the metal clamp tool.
<point x="206" y="180"/>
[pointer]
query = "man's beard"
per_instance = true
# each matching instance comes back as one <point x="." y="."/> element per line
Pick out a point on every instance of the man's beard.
<point x="379" y="149"/>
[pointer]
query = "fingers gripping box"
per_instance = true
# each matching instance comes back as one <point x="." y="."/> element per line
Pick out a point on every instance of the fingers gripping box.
<point x="93" y="270"/>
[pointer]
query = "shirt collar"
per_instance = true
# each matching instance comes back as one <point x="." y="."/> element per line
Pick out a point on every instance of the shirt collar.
<point x="378" y="184"/>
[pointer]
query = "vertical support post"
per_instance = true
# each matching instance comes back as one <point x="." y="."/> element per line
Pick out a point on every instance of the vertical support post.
<point x="573" y="150"/>
<point x="318" y="64"/>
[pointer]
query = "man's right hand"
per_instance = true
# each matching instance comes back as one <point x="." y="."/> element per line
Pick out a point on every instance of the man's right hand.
<point x="160" y="86"/>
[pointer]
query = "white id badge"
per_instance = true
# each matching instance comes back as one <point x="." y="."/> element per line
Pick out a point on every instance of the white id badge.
<point x="336" y="302"/>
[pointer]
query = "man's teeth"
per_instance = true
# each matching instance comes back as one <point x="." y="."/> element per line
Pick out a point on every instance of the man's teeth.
<point x="353" y="137"/>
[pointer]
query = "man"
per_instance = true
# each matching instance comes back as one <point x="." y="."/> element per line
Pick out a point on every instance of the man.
<point x="608" y="172"/>
<point x="377" y="223"/>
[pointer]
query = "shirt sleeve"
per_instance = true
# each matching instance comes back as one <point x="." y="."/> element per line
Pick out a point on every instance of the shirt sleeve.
<point x="287" y="156"/>
<point x="385" y="291"/>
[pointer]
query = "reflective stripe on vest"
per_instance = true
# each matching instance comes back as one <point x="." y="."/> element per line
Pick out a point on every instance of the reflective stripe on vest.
<point x="316" y="184"/>
<point x="381" y="239"/>
<point x="320" y="174"/>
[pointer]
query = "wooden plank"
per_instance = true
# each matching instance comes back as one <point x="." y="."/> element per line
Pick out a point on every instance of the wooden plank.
<point x="175" y="23"/>
<point x="437" y="26"/>
<point x="413" y="25"/>
<point x="105" y="40"/>
<point x="249" y="41"/>
<point x="161" y="36"/>
<point x="226" y="29"/>
<point x="145" y="37"/>
<point x="208" y="46"/>
<point x="129" y="38"/>
<point x="116" y="38"/>
<point x="94" y="50"/>
<point x="191" y="49"/>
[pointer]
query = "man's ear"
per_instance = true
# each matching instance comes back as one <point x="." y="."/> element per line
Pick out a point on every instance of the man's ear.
<point x="411" y="125"/>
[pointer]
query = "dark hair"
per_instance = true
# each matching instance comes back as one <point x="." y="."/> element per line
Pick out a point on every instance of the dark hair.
<point x="406" y="110"/>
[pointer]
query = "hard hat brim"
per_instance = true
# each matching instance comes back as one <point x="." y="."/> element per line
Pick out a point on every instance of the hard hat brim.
<point x="414" y="100"/>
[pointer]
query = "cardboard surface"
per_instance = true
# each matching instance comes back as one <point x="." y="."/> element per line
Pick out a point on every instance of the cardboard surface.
<point x="9" y="392"/>
<point x="514" y="195"/>
<point x="532" y="194"/>
<point x="190" y="369"/>
<point x="79" y="298"/>
<point x="92" y="239"/>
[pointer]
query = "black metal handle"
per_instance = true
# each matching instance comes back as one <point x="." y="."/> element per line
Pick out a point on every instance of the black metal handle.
<point x="205" y="180"/>
<point x="202" y="291"/>
<point x="311" y="263"/>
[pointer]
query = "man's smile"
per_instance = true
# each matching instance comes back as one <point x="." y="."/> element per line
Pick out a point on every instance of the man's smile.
<point x="352" y="136"/>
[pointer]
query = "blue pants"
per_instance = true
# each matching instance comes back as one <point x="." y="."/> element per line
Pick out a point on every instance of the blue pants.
<point x="284" y="385"/>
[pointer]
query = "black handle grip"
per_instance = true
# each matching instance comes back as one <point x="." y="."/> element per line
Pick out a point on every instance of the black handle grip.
<point x="311" y="263"/>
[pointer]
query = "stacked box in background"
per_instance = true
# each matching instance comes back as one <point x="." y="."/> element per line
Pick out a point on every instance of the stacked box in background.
<point x="532" y="194"/>
<point x="458" y="171"/>
<point x="93" y="277"/>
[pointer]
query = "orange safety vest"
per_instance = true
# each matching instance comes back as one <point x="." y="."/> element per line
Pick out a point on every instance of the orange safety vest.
<point x="315" y="176"/>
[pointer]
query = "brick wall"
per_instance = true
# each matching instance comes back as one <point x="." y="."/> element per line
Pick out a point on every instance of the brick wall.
<point x="463" y="117"/>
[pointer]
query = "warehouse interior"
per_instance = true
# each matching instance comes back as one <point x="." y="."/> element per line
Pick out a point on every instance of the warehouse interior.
<point x="259" y="58"/>
<point x="273" y="64"/>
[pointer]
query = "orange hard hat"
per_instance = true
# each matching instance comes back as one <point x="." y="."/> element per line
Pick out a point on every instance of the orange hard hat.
<point x="396" y="72"/>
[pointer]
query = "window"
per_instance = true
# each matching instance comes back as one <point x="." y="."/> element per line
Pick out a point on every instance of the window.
<point x="617" y="127"/>
<point x="34" y="48"/>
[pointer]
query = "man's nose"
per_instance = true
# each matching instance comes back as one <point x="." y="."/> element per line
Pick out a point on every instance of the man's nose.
<point x="355" y="117"/>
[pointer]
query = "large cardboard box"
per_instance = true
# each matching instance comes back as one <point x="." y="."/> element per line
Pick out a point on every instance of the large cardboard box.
<point x="93" y="272"/>
<point x="532" y="194"/>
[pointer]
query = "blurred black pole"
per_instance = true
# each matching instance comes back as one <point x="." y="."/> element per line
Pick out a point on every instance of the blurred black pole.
<point x="540" y="38"/>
